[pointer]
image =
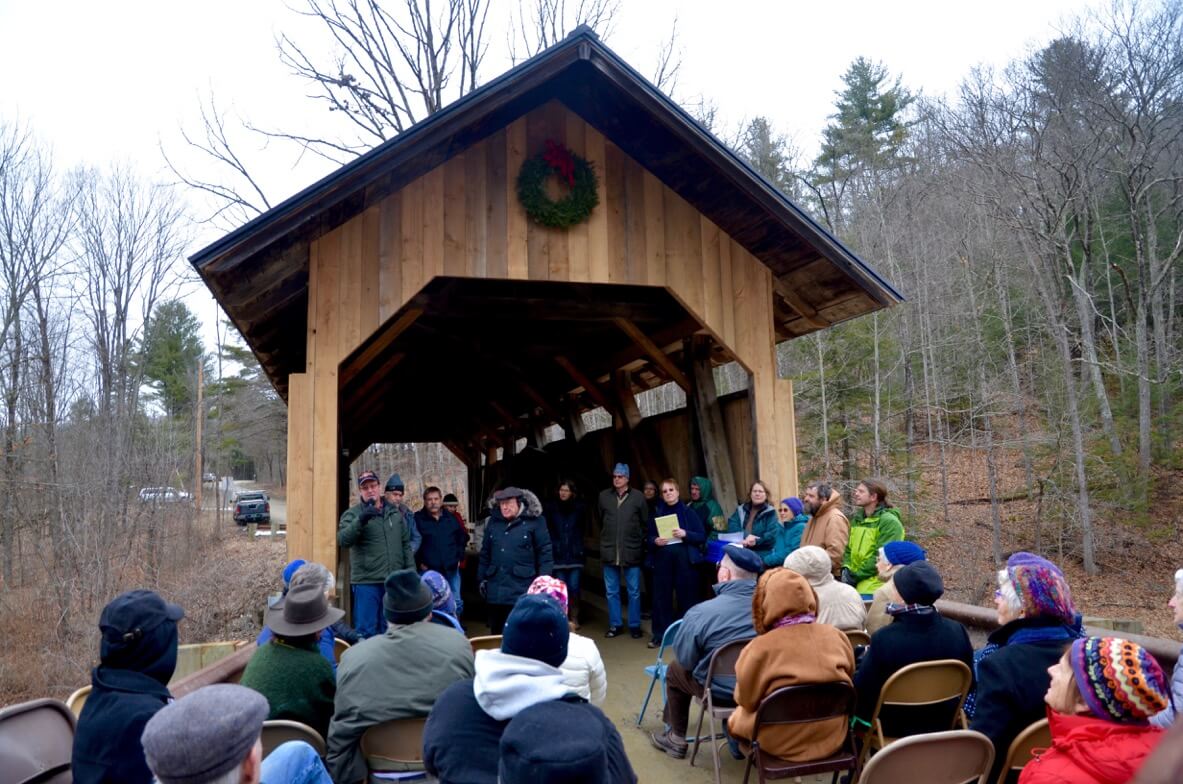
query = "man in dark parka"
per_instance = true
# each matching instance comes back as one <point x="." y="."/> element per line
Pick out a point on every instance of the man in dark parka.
<point x="515" y="550"/>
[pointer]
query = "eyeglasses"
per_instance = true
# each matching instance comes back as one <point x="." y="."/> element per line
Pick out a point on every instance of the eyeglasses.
<point x="669" y="490"/>
<point x="619" y="476"/>
<point x="783" y="509"/>
<point x="997" y="595"/>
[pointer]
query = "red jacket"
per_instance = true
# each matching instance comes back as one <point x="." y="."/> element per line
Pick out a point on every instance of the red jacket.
<point x="1088" y="750"/>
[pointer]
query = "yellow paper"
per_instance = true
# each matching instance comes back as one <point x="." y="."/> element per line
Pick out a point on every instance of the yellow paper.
<point x="665" y="527"/>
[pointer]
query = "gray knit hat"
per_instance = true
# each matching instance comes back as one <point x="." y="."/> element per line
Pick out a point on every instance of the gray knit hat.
<point x="204" y="734"/>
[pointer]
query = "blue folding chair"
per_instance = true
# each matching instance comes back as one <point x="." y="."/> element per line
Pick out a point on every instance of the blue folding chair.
<point x="657" y="670"/>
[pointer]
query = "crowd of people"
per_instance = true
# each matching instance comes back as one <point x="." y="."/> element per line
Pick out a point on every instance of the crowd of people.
<point x="786" y="579"/>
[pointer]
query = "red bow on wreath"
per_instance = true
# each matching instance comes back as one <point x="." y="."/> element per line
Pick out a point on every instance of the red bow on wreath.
<point x="559" y="158"/>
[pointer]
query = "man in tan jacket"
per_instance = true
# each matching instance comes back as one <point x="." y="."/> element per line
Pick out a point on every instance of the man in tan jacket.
<point x="828" y="529"/>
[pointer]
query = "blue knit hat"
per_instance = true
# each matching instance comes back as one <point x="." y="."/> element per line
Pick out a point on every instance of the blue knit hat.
<point x="621" y="469"/>
<point x="290" y="570"/>
<point x="537" y="629"/>
<point x="794" y="503"/>
<point x="903" y="553"/>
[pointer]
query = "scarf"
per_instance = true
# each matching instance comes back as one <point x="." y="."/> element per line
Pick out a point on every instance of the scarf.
<point x="894" y="609"/>
<point x="793" y="620"/>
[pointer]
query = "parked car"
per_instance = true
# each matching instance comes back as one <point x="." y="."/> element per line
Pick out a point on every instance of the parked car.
<point x="252" y="507"/>
<point x="164" y="495"/>
<point x="208" y="478"/>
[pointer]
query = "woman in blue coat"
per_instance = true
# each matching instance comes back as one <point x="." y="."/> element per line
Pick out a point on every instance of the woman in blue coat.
<point x="763" y="533"/>
<point x="674" y="559"/>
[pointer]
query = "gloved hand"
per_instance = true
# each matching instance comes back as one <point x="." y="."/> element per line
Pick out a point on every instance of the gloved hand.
<point x="849" y="578"/>
<point x="484" y="588"/>
<point x="369" y="511"/>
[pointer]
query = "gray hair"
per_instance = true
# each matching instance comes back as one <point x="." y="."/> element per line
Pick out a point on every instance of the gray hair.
<point x="1179" y="581"/>
<point x="317" y="574"/>
<point x="1009" y="595"/>
<point x="232" y="776"/>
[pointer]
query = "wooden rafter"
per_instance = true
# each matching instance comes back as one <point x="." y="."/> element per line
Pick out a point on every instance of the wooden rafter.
<point x="803" y="308"/>
<point x="384" y="340"/>
<point x="659" y="357"/>
<point x="579" y="377"/>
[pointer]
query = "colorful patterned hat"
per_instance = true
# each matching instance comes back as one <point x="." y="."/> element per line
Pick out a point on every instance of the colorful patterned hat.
<point x="1041" y="587"/>
<point x="552" y="587"/>
<point x="1119" y="680"/>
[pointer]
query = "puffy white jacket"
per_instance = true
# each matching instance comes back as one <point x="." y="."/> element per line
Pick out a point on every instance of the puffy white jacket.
<point x="583" y="670"/>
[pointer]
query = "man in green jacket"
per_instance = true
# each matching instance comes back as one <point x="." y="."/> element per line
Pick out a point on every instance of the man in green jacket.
<point x="379" y="542"/>
<point x="397" y="675"/>
<point x="874" y="524"/>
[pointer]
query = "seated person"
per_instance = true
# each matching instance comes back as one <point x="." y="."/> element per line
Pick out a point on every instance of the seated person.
<point x="563" y="742"/>
<point x="137" y="658"/>
<point x="320" y="575"/>
<point x="706" y="627"/>
<point x="838" y="604"/>
<point x="1167" y="717"/>
<point x="396" y="675"/>
<point x="893" y="556"/>
<point x="1101" y="693"/>
<point x="463" y="733"/>
<point x="790" y="649"/>
<point x="214" y="736"/>
<point x="289" y="670"/>
<point x="443" y="603"/>
<point x="583" y="669"/>
<point x="918" y="633"/>
<point x="1037" y="620"/>
<point x="792" y="516"/>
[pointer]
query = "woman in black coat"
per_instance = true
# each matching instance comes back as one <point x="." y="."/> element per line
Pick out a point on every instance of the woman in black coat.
<point x="137" y="658"/>
<point x="516" y="548"/>
<point x="565" y="521"/>
<point x="673" y="560"/>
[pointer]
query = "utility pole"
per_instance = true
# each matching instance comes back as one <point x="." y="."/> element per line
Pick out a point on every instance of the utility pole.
<point x="197" y="485"/>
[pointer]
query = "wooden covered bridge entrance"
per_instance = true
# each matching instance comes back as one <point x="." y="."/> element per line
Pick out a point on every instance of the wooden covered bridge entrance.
<point x="358" y="293"/>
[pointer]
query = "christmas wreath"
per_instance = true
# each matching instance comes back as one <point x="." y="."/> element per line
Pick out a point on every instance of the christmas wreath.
<point x="574" y="172"/>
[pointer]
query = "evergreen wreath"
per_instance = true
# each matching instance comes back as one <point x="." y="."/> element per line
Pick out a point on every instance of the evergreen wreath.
<point x="575" y="172"/>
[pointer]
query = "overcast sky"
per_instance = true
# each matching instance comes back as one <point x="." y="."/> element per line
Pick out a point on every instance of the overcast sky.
<point x="113" y="80"/>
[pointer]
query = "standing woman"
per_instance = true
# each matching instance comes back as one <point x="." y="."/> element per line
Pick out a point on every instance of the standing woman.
<point x="565" y="520"/>
<point x="673" y="560"/>
<point x="763" y="533"/>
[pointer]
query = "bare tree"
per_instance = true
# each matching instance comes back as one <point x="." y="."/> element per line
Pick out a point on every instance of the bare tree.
<point x="541" y="24"/>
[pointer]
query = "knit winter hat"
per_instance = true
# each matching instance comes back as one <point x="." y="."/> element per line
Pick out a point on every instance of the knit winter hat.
<point x="902" y="553"/>
<point x="554" y="742"/>
<point x="794" y="503"/>
<point x="550" y="586"/>
<point x="441" y="592"/>
<point x="407" y="599"/>
<point x="290" y="570"/>
<point x="1041" y="587"/>
<point x="919" y="583"/>
<point x="536" y="629"/>
<point x="1119" y="680"/>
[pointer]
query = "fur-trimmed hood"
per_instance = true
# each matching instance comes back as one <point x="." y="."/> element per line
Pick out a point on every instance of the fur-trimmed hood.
<point x="531" y="507"/>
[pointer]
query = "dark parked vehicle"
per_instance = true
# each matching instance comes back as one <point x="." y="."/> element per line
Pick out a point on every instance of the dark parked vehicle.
<point x="252" y="507"/>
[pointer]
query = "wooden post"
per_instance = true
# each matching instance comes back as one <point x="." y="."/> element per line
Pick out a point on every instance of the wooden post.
<point x="197" y="487"/>
<point x="712" y="428"/>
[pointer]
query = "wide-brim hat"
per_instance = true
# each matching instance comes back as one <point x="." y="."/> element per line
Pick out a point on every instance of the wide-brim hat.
<point x="305" y="610"/>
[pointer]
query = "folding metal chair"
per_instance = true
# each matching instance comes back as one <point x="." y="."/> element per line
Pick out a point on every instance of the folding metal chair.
<point x="804" y="704"/>
<point x="924" y="697"/>
<point x="36" y="742"/>
<point x="1037" y="736"/>
<point x="278" y="731"/>
<point x="953" y="757"/>
<point x="489" y="642"/>
<point x="657" y="670"/>
<point x="396" y="747"/>
<point x="722" y="663"/>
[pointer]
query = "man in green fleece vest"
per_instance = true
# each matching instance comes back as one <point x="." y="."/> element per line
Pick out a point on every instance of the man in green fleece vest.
<point x="874" y="524"/>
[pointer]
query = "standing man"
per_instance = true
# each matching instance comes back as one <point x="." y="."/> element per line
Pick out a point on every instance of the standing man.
<point x="443" y="541"/>
<point x="379" y="542"/>
<point x="515" y="550"/>
<point x="624" y="515"/>
<point x="395" y="489"/>
<point x="874" y="524"/>
<point x="829" y="529"/>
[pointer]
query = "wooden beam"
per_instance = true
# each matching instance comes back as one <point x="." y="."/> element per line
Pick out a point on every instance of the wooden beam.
<point x="573" y="424"/>
<point x="794" y="300"/>
<point x="659" y="357"/>
<point x="711" y="427"/>
<point x="626" y="401"/>
<point x="540" y="401"/>
<point x="509" y="419"/>
<point x="383" y="339"/>
<point x="592" y="388"/>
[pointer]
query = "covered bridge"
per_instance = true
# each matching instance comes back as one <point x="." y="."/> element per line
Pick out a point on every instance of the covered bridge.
<point x="357" y="293"/>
